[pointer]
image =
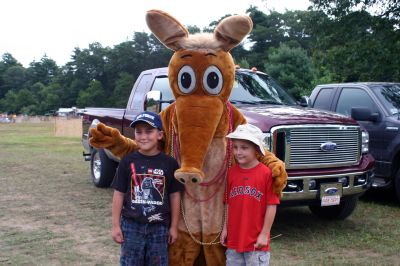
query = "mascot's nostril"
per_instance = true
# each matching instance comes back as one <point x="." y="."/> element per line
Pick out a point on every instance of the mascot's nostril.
<point x="182" y="180"/>
<point x="194" y="180"/>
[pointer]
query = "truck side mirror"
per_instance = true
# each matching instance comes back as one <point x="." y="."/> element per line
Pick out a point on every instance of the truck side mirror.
<point x="305" y="101"/>
<point x="153" y="102"/>
<point x="364" y="114"/>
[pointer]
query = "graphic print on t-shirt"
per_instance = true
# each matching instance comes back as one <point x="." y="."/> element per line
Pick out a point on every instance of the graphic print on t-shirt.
<point x="147" y="189"/>
<point x="245" y="190"/>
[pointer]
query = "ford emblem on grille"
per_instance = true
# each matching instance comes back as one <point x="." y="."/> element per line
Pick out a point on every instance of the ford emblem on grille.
<point x="331" y="191"/>
<point x="328" y="146"/>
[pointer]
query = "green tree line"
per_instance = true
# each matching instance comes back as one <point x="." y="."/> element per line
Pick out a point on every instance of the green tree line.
<point x="333" y="41"/>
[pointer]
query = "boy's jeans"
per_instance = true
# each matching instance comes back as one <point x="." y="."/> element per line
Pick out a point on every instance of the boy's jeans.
<point x="251" y="258"/>
<point x="144" y="244"/>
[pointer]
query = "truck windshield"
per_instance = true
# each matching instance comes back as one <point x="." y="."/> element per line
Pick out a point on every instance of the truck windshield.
<point x="389" y="95"/>
<point x="253" y="88"/>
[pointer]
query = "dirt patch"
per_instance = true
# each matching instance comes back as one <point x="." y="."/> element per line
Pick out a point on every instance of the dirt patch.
<point x="68" y="127"/>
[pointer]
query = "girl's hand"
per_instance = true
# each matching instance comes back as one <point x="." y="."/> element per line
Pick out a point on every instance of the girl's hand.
<point x="262" y="241"/>
<point x="117" y="235"/>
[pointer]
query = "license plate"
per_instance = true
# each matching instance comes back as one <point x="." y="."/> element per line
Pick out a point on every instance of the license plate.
<point x="330" y="194"/>
<point x="330" y="200"/>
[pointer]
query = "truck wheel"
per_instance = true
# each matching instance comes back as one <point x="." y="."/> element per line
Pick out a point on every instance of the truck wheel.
<point x="102" y="169"/>
<point x="397" y="184"/>
<point x="338" y="212"/>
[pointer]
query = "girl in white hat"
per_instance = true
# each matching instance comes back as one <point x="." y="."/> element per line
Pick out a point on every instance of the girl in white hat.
<point x="251" y="201"/>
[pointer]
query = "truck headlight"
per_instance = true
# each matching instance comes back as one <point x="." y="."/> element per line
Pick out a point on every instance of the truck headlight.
<point x="364" y="142"/>
<point x="267" y="141"/>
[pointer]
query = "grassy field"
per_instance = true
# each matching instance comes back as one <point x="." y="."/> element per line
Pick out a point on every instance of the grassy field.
<point x="51" y="214"/>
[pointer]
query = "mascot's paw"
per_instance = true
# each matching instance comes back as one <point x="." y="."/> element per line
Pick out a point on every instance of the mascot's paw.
<point x="278" y="171"/>
<point x="189" y="174"/>
<point x="101" y="136"/>
<point x="106" y="137"/>
<point x="277" y="168"/>
<point x="280" y="183"/>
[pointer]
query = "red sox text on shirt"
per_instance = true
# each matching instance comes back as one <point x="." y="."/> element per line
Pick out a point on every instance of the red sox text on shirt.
<point x="245" y="190"/>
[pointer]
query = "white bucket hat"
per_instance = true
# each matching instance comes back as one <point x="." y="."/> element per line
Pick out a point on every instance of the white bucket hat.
<point x="249" y="132"/>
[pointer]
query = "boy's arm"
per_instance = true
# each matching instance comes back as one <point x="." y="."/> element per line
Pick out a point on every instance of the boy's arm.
<point x="175" y="201"/>
<point x="269" y="217"/>
<point x="118" y="199"/>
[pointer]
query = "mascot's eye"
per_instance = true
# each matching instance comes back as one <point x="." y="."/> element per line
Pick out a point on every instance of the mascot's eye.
<point x="186" y="79"/>
<point x="213" y="80"/>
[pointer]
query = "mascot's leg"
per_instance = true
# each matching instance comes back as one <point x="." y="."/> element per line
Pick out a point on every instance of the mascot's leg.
<point x="184" y="251"/>
<point x="214" y="254"/>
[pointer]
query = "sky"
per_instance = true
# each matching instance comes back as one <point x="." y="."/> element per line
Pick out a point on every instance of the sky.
<point x="31" y="29"/>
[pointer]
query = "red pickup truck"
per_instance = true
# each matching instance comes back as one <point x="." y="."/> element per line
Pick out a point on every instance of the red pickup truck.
<point x="325" y="154"/>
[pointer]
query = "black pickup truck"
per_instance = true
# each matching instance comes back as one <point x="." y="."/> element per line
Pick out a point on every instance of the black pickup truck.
<point x="376" y="107"/>
<point x="325" y="154"/>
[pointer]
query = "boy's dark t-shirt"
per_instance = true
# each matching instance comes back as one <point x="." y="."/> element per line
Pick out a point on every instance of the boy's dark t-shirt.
<point x="147" y="182"/>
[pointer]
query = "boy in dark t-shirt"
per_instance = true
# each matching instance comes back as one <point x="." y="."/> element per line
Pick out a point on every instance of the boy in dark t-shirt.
<point x="146" y="198"/>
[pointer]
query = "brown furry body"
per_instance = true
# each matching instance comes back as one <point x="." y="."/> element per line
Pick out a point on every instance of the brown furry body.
<point x="203" y="206"/>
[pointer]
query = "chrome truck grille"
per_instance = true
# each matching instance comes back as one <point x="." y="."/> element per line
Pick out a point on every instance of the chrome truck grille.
<point x="317" y="146"/>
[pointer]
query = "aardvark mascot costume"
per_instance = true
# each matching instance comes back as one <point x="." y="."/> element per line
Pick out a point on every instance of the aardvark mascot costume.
<point x="201" y="76"/>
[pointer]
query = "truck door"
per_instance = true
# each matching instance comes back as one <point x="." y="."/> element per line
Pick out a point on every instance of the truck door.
<point x="324" y="98"/>
<point x="350" y="97"/>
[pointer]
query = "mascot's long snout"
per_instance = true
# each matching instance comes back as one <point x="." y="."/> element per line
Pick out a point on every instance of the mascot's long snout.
<point x="197" y="123"/>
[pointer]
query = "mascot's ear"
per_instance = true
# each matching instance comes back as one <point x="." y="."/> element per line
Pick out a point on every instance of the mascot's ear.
<point x="231" y="31"/>
<point x="167" y="29"/>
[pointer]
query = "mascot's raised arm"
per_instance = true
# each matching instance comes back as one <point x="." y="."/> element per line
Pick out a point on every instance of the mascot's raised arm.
<point x="201" y="76"/>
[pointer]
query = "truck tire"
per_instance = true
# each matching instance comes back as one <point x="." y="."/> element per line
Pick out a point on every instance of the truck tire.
<point x="102" y="169"/>
<point x="338" y="212"/>
<point x="397" y="184"/>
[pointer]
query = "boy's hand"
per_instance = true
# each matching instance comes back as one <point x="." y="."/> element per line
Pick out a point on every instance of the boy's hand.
<point x="173" y="235"/>
<point x="222" y="238"/>
<point x="117" y="235"/>
<point x="262" y="241"/>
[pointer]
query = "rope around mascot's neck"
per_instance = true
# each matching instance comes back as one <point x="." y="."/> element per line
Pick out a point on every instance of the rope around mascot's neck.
<point x="223" y="172"/>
